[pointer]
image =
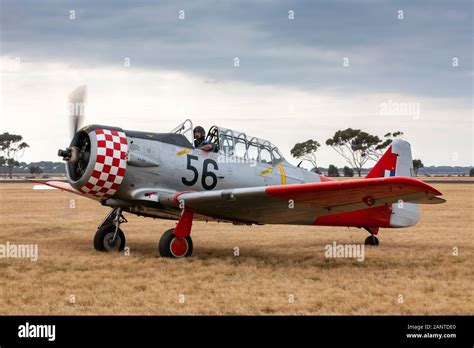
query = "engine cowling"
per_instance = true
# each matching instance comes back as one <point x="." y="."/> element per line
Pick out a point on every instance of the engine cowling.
<point x="98" y="161"/>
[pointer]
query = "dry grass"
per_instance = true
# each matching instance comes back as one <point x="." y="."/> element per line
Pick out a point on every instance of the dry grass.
<point x="275" y="261"/>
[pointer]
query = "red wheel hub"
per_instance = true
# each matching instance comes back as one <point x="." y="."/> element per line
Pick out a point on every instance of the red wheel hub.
<point x="178" y="247"/>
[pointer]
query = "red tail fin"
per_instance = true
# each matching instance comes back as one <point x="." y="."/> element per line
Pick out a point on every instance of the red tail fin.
<point x="386" y="165"/>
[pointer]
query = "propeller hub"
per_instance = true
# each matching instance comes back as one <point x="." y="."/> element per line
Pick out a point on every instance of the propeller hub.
<point x="65" y="154"/>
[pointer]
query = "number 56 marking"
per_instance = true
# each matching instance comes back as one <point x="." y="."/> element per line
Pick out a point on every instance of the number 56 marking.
<point x="205" y="172"/>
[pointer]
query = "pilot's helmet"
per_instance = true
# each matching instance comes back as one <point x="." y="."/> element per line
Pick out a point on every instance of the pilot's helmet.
<point x="199" y="129"/>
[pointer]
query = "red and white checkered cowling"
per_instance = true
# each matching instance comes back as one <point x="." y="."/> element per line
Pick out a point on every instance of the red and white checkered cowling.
<point x="109" y="164"/>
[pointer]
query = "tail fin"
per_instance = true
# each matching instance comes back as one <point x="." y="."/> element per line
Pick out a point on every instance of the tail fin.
<point x="397" y="161"/>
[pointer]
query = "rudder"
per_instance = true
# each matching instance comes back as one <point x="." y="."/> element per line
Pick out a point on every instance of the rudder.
<point x="397" y="161"/>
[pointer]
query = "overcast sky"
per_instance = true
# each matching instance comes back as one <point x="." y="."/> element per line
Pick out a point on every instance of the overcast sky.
<point x="305" y="69"/>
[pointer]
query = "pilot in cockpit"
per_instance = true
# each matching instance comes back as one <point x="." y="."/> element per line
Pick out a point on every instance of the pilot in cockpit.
<point x="200" y="141"/>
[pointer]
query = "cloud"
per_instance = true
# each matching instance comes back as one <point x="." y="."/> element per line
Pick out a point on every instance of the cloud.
<point x="34" y="105"/>
<point x="386" y="54"/>
<point x="290" y="84"/>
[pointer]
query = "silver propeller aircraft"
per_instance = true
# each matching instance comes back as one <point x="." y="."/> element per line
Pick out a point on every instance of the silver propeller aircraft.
<point x="242" y="179"/>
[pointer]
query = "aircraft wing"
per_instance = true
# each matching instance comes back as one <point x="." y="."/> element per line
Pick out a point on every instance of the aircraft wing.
<point x="64" y="186"/>
<point x="303" y="203"/>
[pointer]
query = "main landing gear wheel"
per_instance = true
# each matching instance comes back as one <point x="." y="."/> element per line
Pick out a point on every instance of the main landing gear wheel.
<point x="371" y="240"/>
<point x="172" y="246"/>
<point x="104" y="239"/>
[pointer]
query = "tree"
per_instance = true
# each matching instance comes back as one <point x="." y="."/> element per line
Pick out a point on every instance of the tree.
<point x="36" y="170"/>
<point x="306" y="151"/>
<point x="417" y="164"/>
<point x="471" y="172"/>
<point x="355" y="146"/>
<point x="377" y="152"/>
<point x="3" y="161"/>
<point x="333" y="171"/>
<point x="12" y="146"/>
<point x="348" y="171"/>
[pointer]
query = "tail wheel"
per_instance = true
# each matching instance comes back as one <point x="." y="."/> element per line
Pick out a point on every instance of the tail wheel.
<point x="104" y="239"/>
<point x="172" y="246"/>
<point x="371" y="240"/>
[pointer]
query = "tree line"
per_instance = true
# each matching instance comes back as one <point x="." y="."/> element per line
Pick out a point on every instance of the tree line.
<point x="355" y="146"/>
<point x="12" y="148"/>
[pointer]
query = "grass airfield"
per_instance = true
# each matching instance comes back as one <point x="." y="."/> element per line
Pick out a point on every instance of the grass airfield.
<point x="280" y="270"/>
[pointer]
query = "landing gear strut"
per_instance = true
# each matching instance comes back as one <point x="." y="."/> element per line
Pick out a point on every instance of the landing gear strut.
<point x="109" y="236"/>
<point x="177" y="242"/>
<point x="372" y="239"/>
